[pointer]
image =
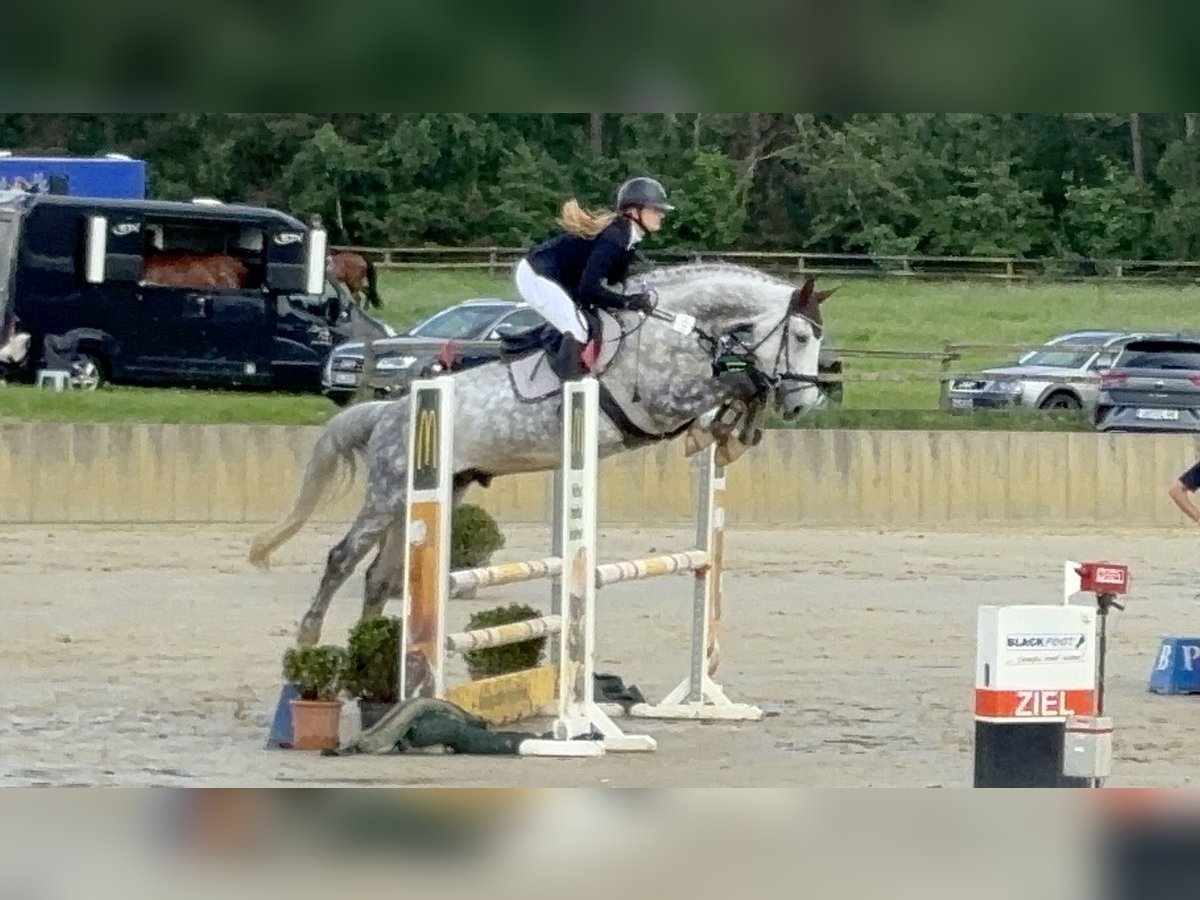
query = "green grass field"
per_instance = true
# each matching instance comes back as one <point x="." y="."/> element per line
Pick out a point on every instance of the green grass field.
<point x="863" y="315"/>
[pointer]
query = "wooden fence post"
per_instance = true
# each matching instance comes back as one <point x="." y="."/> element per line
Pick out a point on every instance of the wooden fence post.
<point x="944" y="383"/>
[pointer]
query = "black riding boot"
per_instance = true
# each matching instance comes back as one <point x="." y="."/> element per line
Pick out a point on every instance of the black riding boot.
<point x="569" y="363"/>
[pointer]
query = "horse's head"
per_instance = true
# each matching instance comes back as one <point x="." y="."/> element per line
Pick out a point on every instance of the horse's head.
<point x="752" y="313"/>
<point x="797" y="351"/>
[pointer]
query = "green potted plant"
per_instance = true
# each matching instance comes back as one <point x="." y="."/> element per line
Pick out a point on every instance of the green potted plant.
<point x="474" y="537"/>
<point x="316" y="716"/>
<point x="517" y="657"/>
<point x="372" y="673"/>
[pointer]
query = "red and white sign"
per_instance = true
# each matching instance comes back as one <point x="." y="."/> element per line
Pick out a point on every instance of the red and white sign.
<point x="1103" y="578"/>
<point x="1034" y="704"/>
<point x="1035" y="662"/>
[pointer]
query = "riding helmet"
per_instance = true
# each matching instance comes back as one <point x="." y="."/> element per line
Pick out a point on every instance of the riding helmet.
<point x="643" y="192"/>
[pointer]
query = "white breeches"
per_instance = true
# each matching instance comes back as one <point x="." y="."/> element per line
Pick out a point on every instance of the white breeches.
<point x="548" y="298"/>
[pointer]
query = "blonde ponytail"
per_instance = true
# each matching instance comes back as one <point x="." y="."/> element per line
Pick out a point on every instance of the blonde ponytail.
<point x="577" y="220"/>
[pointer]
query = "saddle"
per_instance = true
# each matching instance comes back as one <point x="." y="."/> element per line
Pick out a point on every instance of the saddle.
<point x="535" y="360"/>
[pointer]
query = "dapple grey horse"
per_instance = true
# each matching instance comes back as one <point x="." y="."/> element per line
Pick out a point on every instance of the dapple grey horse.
<point x="664" y="371"/>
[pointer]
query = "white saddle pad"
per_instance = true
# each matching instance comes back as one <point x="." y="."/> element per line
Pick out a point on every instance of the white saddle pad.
<point x="533" y="379"/>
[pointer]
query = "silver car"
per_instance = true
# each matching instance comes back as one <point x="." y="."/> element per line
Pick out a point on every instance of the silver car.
<point x="1053" y="377"/>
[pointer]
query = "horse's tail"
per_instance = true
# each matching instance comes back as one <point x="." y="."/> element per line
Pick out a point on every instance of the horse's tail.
<point x="345" y="435"/>
<point x="373" y="286"/>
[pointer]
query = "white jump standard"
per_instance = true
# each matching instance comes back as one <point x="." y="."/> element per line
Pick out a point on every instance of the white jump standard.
<point x="578" y="715"/>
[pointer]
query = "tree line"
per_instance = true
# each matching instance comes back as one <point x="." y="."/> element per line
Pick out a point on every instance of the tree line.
<point x="1090" y="185"/>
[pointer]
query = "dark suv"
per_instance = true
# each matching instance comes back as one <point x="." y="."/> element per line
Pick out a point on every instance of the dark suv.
<point x="1154" y="385"/>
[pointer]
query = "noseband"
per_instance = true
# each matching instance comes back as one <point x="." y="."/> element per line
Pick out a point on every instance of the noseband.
<point x="775" y="376"/>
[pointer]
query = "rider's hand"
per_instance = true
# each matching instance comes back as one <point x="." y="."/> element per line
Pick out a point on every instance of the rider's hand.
<point x="640" y="302"/>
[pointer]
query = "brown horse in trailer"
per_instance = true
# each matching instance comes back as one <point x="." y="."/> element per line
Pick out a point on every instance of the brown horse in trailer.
<point x="195" y="270"/>
<point x="358" y="275"/>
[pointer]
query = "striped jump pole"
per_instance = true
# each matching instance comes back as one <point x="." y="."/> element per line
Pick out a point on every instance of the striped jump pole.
<point x="506" y="573"/>
<point x="499" y="635"/>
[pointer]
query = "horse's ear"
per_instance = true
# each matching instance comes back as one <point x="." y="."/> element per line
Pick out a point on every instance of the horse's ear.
<point x="822" y="296"/>
<point x="802" y="296"/>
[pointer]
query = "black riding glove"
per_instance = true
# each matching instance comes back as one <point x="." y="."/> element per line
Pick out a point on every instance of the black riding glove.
<point x="639" y="303"/>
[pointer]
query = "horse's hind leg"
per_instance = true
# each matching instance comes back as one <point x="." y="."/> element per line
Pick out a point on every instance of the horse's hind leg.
<point x="345" y="555"/>
<point x="385" y="577"/>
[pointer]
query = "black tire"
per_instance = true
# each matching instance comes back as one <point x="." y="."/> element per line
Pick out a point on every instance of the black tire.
<point x="88" y="372"/>
<point x="1061" y="401"/>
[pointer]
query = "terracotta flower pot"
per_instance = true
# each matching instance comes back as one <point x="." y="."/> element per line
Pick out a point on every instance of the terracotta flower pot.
<point x="316" y="724"/>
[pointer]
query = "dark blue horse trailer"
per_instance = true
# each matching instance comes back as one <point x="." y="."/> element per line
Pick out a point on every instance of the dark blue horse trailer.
<point x="87" y="275"/>
<point x="113" y="177"/>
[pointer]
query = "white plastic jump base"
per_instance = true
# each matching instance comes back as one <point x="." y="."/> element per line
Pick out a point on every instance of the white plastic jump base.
<point x="561" y="749"/>
<point x="565" y="743"/>
<point x="714" y="706"/>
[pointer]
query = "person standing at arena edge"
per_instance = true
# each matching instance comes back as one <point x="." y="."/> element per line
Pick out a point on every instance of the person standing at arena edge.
<point x="564" y="278"/>
<point x="1187" y="483"/>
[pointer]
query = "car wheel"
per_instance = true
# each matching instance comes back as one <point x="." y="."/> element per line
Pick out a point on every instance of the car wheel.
<point x="1061" y="400"/>
<point x="87" y="372"/>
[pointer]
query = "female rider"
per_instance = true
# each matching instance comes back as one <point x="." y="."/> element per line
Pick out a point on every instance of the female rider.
<point x="565" y="277"/>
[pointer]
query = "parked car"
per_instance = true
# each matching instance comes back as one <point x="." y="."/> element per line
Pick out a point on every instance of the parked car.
<point x="1036" y="381"/>
<point x="1154" y="385"/>
<point x="157" y="292"/>
<point x="474" y="328"/>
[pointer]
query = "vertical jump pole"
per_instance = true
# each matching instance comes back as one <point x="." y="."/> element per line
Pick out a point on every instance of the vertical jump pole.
<point x="706" y="612"/>
<point x="556" y="550"/>
<point x="427" y="538"/>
